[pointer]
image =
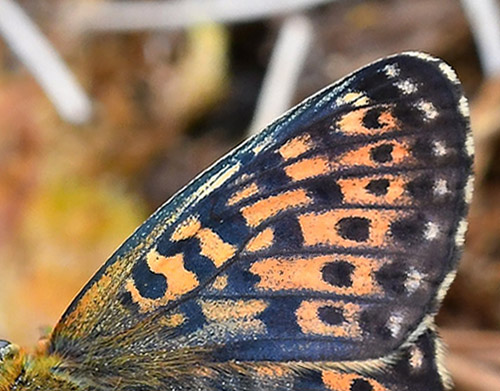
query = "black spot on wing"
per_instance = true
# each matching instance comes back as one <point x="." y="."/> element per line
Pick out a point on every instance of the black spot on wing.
<point x="409" y="230"/>
<point x="279" y="317"/>
<point x="324" y="190"/>
<point x="382" y="153"/>
<point x="421" y="188"/>
<point x="338" y="273"/>
<point x="373" y="321"/>
<point x="413" y="118"/>
<point x="270" y="175"/>
<point x="354" y="228"/>
<point x="378" y="187"/>
<point x="332" y="316"/>
<point x="392" y="277"/>
<point x="371" y="118"/>
<point x="422" y="150"/>
<point x="194" y="261"/>
<point x="149" y="284"/>
<point x="361" y="385"/>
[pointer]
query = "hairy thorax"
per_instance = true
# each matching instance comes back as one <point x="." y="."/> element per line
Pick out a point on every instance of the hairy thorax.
<point x="20" y="371"/>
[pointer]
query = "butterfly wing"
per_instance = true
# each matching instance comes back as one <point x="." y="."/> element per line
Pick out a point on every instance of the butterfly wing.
<point x="326" y="241"/>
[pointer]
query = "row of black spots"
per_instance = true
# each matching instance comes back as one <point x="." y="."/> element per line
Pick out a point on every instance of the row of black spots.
<point x="409" y="118"/>
<point x="326" y="191"/>
<point x="361" y="384"/>
<point x="423" y="149"/>
<point x="407" y="231"/>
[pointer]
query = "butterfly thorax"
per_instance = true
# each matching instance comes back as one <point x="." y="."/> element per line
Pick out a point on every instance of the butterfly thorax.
<point x="20" y="371"/>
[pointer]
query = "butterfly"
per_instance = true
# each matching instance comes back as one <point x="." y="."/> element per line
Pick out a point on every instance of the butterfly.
<point x="313" y="257"/>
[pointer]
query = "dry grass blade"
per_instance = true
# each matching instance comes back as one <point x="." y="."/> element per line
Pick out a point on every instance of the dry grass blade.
<point x="150" y="15"/>
<point x="484" y="19"/>
<point x="283" y="71"/>
<point x="43" y="61"/>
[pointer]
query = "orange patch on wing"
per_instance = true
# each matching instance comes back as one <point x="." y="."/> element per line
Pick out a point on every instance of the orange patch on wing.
<point x="338" y="381"/>
<point x="293" y="273"/>
<point x="351" y="123"/>
<point x="296" y="147"/>
<point x="320" y="228"/>
<point x="220" y="282"/>
<point x="82" y="319"/>
<point x="261" y="241"/>
<point x="214" y="248"/>
<point x="243" y="194"/>
<point x="273" y="370"/>
<point x="266" y="208"/>
<point x="308" y="168"/>
<point x="172" y="320"/>
<point x="226" y="309"/>
<point x="187" y="229"/>
<point x="362" y="156"/>
<point x="179" y="280"/>
<point x="310" y="323"/>
<point x="355" y="192"/>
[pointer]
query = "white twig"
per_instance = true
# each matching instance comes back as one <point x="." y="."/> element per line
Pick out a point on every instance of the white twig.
<point x="484" y="18"/>
<point x="44" y="63"/>
<point x="284" y="69"/>
<point x="175" y="14"/>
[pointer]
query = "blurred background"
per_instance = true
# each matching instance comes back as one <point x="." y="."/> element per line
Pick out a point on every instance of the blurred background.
<point x="108" y="107"/>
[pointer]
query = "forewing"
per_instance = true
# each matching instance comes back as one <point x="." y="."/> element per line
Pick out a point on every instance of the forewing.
<point x="331" y="236"/>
